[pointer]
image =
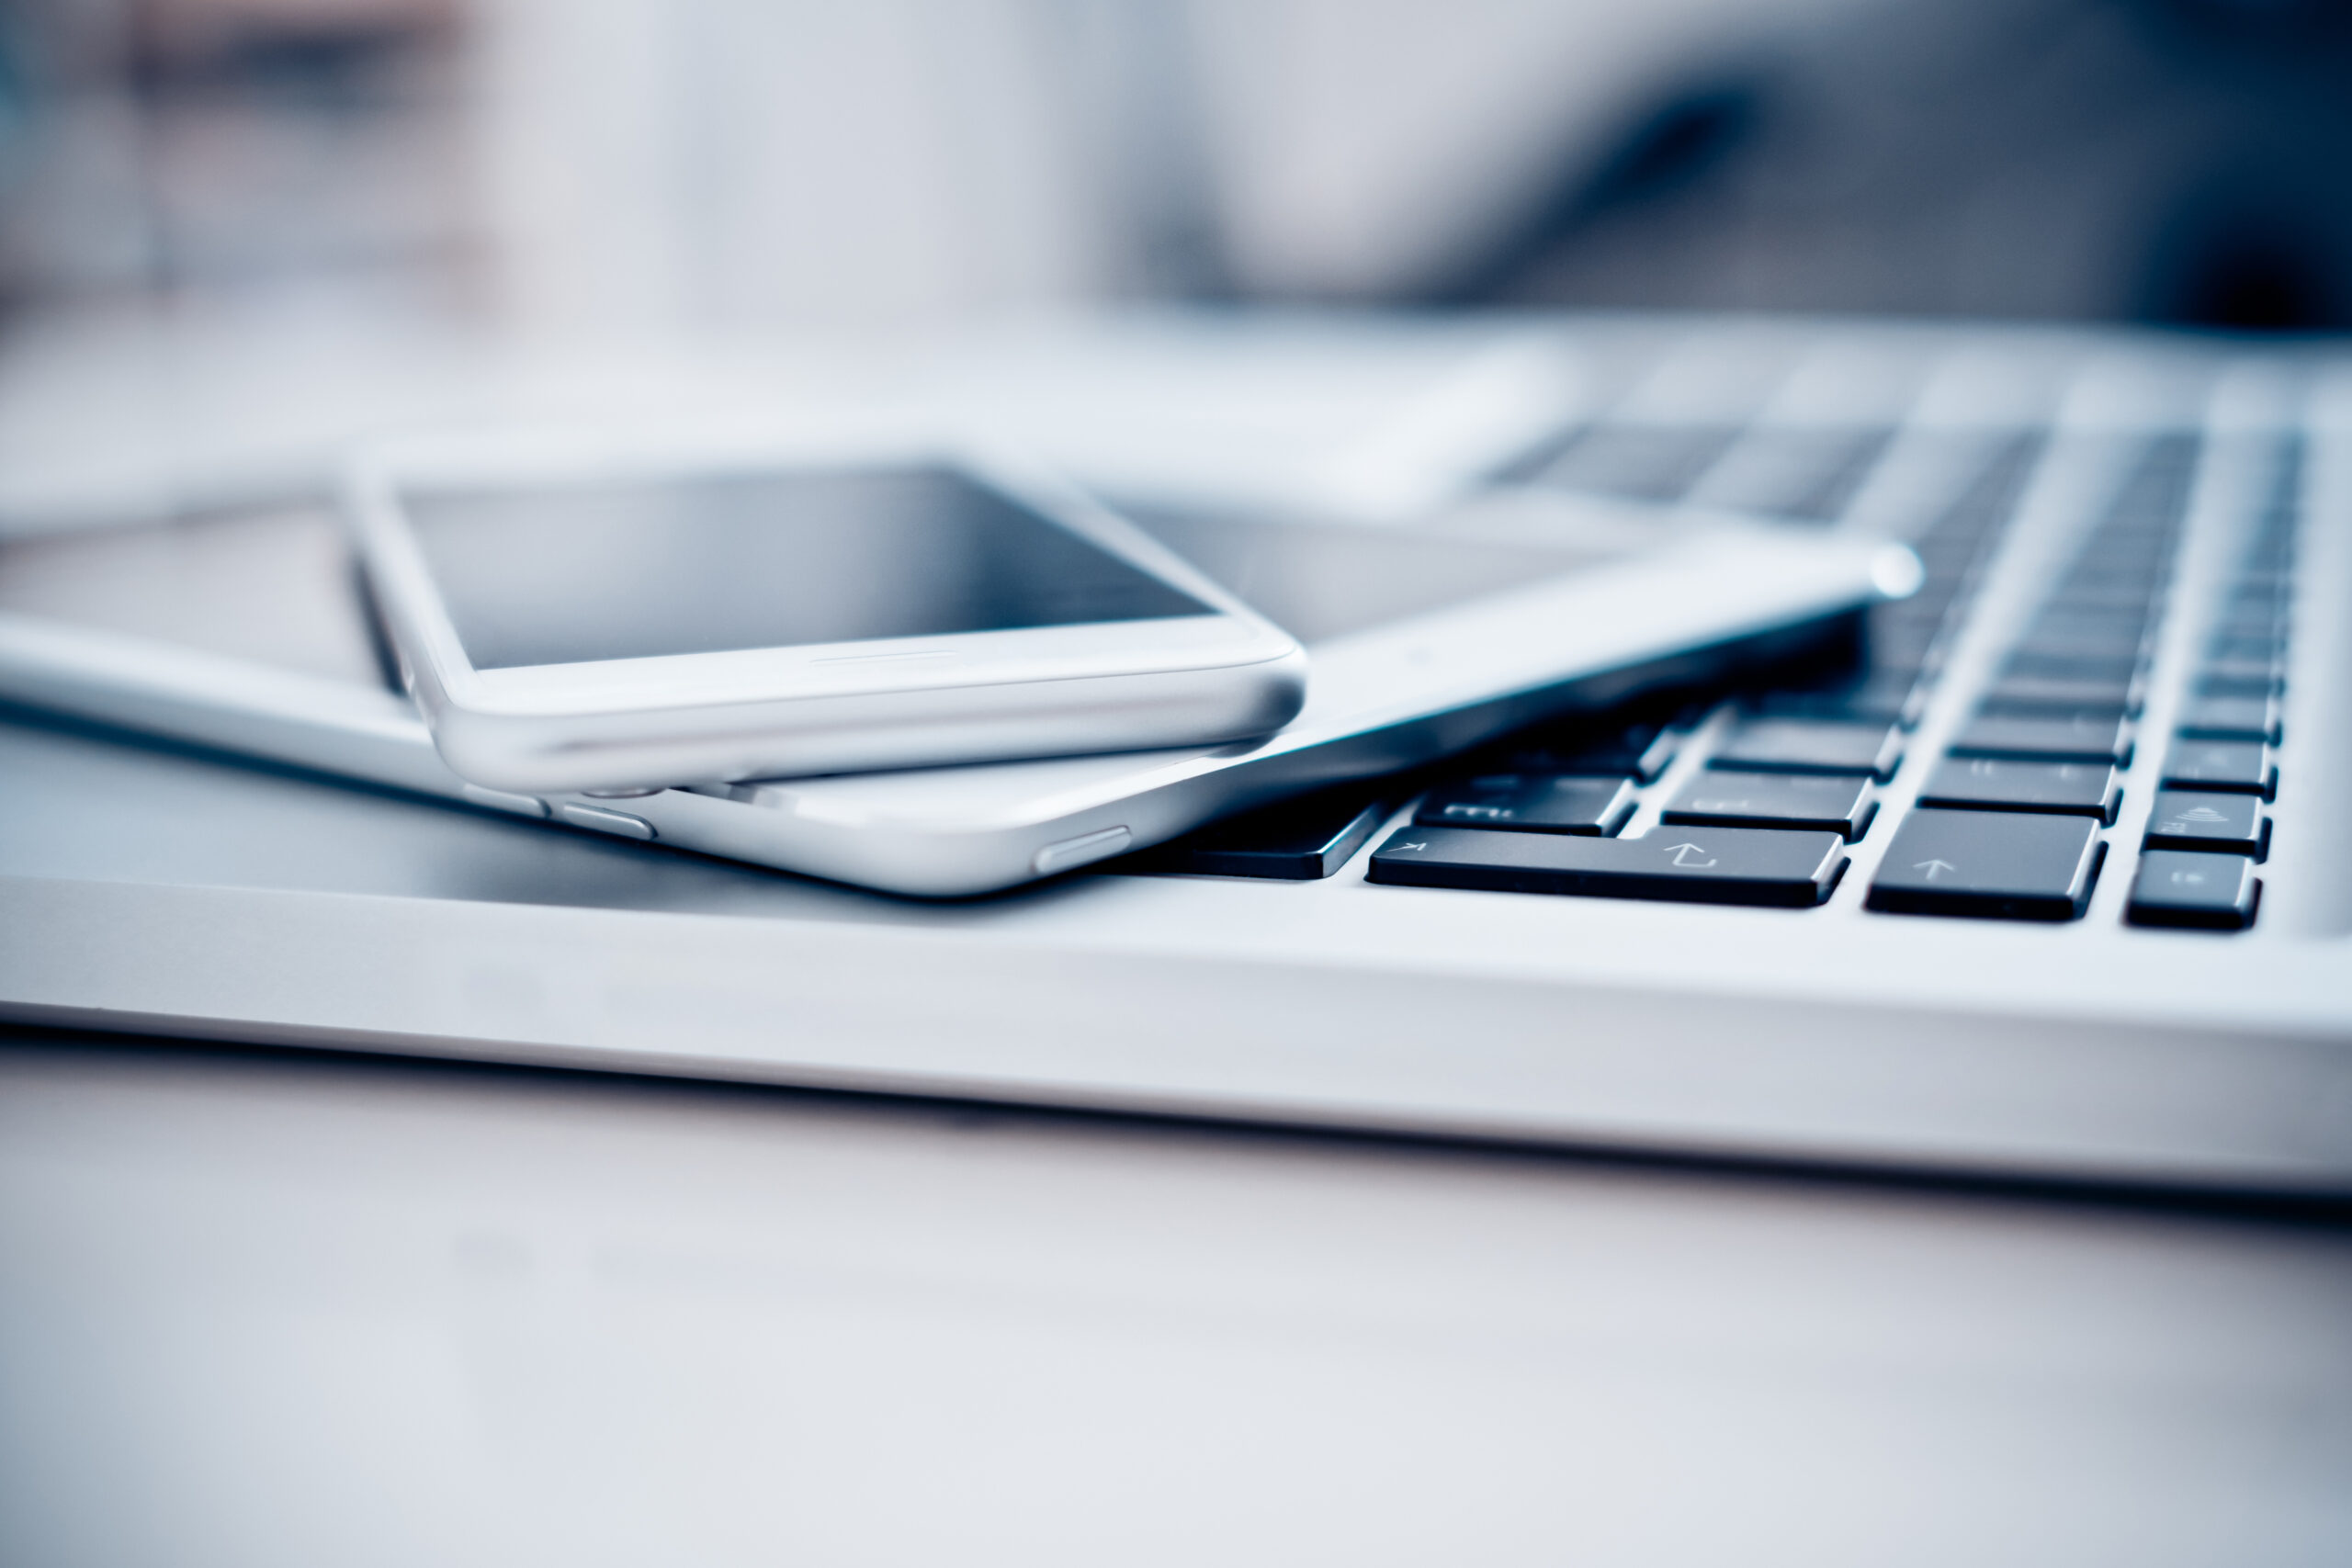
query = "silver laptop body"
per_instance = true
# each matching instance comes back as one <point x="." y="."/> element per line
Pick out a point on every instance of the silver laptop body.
<point x="2069" y="899"/>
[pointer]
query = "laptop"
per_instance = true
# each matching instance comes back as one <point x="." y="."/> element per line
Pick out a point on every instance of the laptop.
<point x="2045" y="884"/>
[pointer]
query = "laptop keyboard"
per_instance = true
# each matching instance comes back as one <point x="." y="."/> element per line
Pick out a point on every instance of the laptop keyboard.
<point x="2015" y="813"/>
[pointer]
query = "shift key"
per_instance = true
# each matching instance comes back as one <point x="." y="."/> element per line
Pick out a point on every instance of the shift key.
<point x="1707" y="865"/>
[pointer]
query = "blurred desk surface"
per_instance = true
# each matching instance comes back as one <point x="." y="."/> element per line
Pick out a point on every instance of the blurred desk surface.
<point x="270" y="1309"/>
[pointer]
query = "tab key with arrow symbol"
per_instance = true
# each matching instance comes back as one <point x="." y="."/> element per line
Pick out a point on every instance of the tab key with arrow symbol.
<point x="1736" y="865"/>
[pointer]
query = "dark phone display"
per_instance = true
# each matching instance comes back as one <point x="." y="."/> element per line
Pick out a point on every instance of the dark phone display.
<point x="714" y="563"/>
<point x="276" y="585"/>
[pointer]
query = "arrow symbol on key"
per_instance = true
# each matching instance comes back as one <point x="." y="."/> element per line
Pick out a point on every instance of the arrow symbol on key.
<point x="1934" y="868"/>
<point x="1682" y="853"/>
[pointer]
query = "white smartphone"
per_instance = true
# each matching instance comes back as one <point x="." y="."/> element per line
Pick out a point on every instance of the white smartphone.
<point x="573" y="613"/>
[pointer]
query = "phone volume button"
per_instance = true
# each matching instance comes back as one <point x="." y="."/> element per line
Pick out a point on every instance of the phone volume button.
<point x="605" y="821"/>
<point x="500" y="800"/>
<point x="1084" y="849"/>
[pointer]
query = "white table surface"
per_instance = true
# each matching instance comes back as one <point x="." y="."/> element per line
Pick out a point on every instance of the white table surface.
<point x="262" y="1309"/>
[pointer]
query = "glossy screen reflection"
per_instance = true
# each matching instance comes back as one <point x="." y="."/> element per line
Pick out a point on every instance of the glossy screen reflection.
<point x="714" y="563"/>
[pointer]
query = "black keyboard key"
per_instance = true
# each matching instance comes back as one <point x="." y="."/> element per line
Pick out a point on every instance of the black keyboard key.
<point x="2266" y="667"/>
<point x="1948" y="561"/>
<point x="1645" y="462"/>
<point x="1836" y="803"/>
<point x="1924" y="617"/>
<point x="2208" y="820"/>
<point x="1925" y="613"/>
<point x="2117" y="602"/>
<point x="2015" y="693"/>
<point x="2122" y="595"/>
<point x="1907" y="651"/>
<point x="2114" y="622"/>
<point x="2119" y="668"/>
<point x="2245" y="624"/>
<point x="2240" y="678"/>
<point x="2128" y="539"/>
<point x="1881" y="698"/>
<point x="2231" y="718"/>
<point x="2209" y="892"/>
<point x="2266" y="600"/>
<point x="2147" y="537"/>
<point x="1706" y="865"/>
<point x="2122" y="555"/>
<point x="2271" y="648"/>
<point x="1808" y="473"/>
<point x="2006" y="865"/>
<point x="1640" y="752"/>
<point x="2118" y="643"/>
<point x="1812" y="746"/>
<point x="1296" y="840"/>
<point x="2242" y="767"/>
<point x="1534" y="805"/>
<point x="2077" y="737"/>
<point x="2008" y="784"/>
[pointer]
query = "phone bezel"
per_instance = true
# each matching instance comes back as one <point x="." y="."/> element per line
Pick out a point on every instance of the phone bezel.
<point x="380" y="478"/>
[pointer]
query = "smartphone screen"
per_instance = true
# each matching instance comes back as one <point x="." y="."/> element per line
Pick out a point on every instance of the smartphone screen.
<point x="276" y="584"/>
<point x="714" y="563"/>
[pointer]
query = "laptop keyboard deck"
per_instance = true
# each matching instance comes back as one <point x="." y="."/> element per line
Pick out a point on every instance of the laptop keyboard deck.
<point x="2063" y="705"/>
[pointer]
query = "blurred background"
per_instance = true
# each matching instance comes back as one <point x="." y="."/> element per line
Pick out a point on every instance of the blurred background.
<point x="601" y="168"/>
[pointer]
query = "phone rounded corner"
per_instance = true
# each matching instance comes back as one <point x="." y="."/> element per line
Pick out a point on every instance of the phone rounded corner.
<point x="1284" y="683"/>
<point x="480" y="748"/>
<point x="501" y="766"/>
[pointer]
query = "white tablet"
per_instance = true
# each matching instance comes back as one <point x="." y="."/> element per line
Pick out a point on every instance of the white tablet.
<point x="242" y="631"/>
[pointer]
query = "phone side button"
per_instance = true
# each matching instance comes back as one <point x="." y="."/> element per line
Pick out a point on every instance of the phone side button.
<point x="605" y="821"/>
<point x="1081" y="850"/>
<point x="499" y="800"/>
